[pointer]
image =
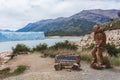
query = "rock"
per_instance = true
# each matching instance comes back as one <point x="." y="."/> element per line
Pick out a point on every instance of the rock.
<point x="5" y="57"/>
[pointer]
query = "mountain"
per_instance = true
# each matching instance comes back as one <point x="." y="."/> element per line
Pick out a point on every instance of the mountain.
<point x="78" y="24"/>
<point x="60" y="26"/>
<point x="112" y="13"/>
<point x="6" y="30"/>
<point x="97" y="15"/>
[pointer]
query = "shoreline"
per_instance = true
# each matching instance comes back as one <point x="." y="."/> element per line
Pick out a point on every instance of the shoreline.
<point x="7" y="46"/>
<point x="56" y="37"/>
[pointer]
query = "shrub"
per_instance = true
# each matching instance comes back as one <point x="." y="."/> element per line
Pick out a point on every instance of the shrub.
<point x="40" y="47"/>
<point x="112" y="50"/>
<point x="20" y="49"/>
<point x="19" y="70"/>
<point x="4" y="72"/>
<point x="64" y="45"/>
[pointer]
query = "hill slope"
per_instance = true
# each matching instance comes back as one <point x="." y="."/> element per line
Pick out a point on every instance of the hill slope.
<point x="61" y="26"/>
<point x="112" y="25"/>
<point x="78" y="24"/>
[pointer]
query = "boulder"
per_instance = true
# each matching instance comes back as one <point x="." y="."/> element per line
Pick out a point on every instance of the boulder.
<point x="5" y="57"/>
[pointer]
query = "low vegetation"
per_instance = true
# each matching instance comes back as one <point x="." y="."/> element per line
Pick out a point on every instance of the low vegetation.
<point x="88" y="47"/>
<point x="111" y="54"/>
<point x="40" y="47"/>
<point x="85" y="56"/>
<point x="6" y="71"/>
<point x="60" y="48"/>
<point x="68" y="48"/>
<point x="52" y="53"/>
<point x="64" y="45"/>
<point x="20" y="49"/>
<point x="20" y="69"/>
<point x="112" y="50"/>
<point x="112" y="25"/>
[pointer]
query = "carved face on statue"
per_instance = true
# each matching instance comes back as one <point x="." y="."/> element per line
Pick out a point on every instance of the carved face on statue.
<point x="96" y="28"/>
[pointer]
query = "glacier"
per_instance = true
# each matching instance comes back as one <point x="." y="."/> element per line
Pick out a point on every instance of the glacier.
<point x="20" y="36"/>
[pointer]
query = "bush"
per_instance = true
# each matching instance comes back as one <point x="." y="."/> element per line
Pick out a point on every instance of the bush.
<point x="20" y="49"/>
<point x="40" y="47"/>
<point x="64" y="45"/>
<point x="19" y="70"/>
<point x="4" y="72"/>
<point x="112" y="50"/>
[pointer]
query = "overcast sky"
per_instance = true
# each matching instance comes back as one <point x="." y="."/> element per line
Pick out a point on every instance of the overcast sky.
<point x="15" y="14"/>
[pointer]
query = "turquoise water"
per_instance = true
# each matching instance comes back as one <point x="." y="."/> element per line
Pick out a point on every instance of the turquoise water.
<point x="7" y="46"/>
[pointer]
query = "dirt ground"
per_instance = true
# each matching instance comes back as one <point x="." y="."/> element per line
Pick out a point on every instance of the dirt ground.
<point x="42" y="69"/>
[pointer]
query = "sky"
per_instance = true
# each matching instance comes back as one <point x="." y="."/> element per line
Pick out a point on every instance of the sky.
<point x="15" y="14"/>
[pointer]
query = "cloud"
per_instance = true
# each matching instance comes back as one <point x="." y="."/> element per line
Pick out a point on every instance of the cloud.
<point x="15" y="14"/>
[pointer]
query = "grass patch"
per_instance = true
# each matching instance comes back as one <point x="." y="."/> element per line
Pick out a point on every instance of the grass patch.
<point x="110" y="48"/>
<point x="52" y="52"/>
<point x="19" y="70"/>
<point x="4" y="73"/>
<point x="115" y="61"/>
<point x="108" y="60"/>
<point x="86" y="57"/>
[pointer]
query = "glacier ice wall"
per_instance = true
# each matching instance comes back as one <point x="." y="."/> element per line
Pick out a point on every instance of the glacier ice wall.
<point x="19" y="36"/>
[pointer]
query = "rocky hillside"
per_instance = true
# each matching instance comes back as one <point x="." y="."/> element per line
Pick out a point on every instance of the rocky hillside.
<point x="113" y="37"/>
<point x="78" y="24"/>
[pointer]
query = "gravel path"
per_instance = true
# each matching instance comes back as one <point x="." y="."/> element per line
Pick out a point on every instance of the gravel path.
<point x="42" y="69"/>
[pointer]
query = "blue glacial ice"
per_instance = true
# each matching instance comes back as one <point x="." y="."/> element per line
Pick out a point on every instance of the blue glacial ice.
<point x="19" y="36"/>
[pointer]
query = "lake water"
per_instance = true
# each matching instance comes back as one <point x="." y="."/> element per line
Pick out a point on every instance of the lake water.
<point x="7" y="46"/>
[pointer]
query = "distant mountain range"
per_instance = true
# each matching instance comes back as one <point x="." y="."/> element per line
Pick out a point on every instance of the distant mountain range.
<point x="78" y="24"/>
<point x="6" y="30"/>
